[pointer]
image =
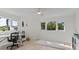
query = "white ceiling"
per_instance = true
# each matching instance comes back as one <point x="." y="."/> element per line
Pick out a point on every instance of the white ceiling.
<point x="25" y="11"/>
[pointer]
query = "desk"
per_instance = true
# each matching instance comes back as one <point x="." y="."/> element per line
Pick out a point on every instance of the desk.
<point x="3" y="36"/>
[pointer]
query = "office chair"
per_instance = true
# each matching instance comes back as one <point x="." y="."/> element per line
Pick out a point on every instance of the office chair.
<point x="14" y="39"/>
<point x="23" y="32"/>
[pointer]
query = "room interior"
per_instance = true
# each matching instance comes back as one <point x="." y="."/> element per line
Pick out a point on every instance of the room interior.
<point x="39" y="28"/>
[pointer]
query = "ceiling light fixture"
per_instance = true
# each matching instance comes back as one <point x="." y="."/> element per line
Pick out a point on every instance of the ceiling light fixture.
<point x="39" y="11"/>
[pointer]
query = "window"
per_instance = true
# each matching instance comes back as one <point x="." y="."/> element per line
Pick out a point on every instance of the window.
<point x="14" y="23"/>
<point x="51" y="25"/>
<point x="60" y="25"/>
<point x="7" y="24"/>
<point x="43" y="25"/>
<point x="3" y="24"/>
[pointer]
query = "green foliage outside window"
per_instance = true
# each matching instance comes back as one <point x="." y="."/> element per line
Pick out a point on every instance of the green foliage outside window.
<point x="61" y="26"/>
<point x="51" y="26"/>
<point x="3" y="28"/>
<point x="43" y="25"/>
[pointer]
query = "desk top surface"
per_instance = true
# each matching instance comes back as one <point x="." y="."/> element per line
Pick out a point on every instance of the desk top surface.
<point x="3" y="36"/>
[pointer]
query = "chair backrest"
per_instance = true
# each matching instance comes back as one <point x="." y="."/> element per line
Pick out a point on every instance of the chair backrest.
<point x="14" y="37"/>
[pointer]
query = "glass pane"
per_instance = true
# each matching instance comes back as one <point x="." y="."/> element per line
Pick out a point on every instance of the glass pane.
<point x="14" y="23"/>
<point x="3" y="24"/>
<point x="43" y="25"/>
<point x="61" y="25"/>
<point x="51" y="25"/>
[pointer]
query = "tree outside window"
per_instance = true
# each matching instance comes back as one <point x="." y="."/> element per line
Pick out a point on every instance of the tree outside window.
<point x="43" y="25"/>
<point x="61" y="25"/>
<point x="51" y="25"/>
<point x="6" y="24"/>
<point x="3" y="24"/>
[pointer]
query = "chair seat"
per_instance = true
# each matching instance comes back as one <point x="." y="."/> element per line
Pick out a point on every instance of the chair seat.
<point x="14" y="39"/>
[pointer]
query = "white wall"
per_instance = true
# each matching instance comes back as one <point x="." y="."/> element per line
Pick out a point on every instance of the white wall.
<point x="34" y="31"/>
<point x="60" y="36"/>
<point x="33" y="26"/>
<point x="77" y="20"/>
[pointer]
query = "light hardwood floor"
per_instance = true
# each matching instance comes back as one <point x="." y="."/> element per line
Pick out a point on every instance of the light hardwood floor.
<point x="30" y="45"/>
<point x="34" y="46"/>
